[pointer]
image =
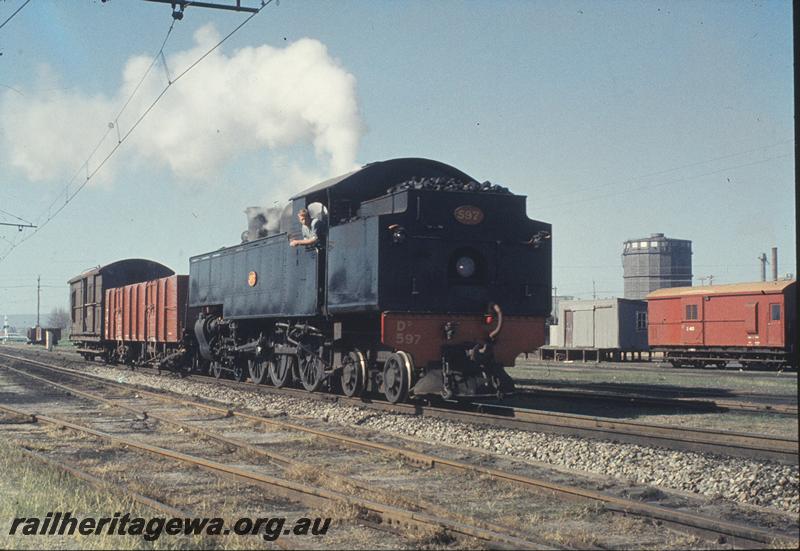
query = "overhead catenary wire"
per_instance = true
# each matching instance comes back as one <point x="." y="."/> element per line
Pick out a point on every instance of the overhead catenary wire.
<point x="668" y="170"/>
<point x="15" y="216"/>
<point x="69" y="196"/>
<point x="668" y="182"/>
<point x="49" y="214"/>
<point x="111" y="126"/>
<point x="10" y="17"/>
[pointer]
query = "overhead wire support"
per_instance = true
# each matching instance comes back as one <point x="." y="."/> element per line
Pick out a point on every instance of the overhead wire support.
<point x="178" y="6"/>
<point x="19" y="226"/>
<point x="182" y="4"/>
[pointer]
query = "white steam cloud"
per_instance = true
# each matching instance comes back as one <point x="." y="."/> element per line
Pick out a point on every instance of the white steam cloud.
<point x="257" y="98"/>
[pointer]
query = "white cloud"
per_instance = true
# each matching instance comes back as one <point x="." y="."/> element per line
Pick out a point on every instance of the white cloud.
<point x="44" y="134"/>
<point x="257" y="98"/>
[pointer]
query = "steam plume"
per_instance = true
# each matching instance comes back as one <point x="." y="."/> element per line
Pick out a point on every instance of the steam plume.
<point x="256" y="98"/>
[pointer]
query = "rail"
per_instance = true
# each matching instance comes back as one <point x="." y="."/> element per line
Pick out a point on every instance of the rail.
<point x="712" y="529"/>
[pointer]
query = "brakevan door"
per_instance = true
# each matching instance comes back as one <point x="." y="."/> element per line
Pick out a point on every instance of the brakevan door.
<point x="775" y="324"/>
<point x="692" y="320"/>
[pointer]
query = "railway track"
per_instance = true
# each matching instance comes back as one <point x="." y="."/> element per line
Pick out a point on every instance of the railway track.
<point x="726" y="443"/>
<point x="376" y="511"/>
<point x="712" y="529"/>
<point x="750" y="446"/>
<point x="644" y="398"/>
<point x="653" y="367"/>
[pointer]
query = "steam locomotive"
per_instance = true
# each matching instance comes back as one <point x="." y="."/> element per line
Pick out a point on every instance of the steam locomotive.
<point x="424" y="282"/>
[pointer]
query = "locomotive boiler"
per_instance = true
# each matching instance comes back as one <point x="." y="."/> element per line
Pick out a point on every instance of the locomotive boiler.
<point x="424" y="282"/>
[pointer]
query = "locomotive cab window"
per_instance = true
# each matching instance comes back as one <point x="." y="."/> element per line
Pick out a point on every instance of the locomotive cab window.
<point x="641" y="321"/>
<point x="691" y="311"/>
<point x="775" y="312"/>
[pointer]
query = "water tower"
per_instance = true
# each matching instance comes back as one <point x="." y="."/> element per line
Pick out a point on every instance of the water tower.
<point x="655" y="262"/>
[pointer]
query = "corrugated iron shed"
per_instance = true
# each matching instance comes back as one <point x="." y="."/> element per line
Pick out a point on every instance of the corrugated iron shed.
<point x="614" y="323"/>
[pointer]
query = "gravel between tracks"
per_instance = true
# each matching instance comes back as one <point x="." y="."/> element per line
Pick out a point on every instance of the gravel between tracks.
<point x="766" y="484"/>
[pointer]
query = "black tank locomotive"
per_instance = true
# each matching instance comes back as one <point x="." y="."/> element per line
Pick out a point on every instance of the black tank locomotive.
<point x="425" y="282"/>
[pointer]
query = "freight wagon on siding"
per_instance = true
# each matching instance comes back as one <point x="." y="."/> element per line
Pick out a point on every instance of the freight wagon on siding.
<point x="754" y="324"/>
<point x="87" y="297"/>
<point x="145" y="321"/>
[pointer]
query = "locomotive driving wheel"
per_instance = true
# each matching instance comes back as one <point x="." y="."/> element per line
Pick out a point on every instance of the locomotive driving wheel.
<point x="395" y="378"/>
<point x="354" y="369"/>
<point x="259" y="370"/>
<point x="311" y="371"/>
<point x="280" y="369"/>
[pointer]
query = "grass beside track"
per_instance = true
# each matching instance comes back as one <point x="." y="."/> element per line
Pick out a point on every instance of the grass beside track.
<point x="29" y="488"/>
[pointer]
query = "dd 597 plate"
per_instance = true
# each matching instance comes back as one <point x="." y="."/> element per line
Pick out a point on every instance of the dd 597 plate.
<point x="468" y="214"/>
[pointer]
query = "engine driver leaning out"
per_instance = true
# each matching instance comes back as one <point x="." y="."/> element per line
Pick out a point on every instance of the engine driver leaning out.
<point x="309" y="227"/>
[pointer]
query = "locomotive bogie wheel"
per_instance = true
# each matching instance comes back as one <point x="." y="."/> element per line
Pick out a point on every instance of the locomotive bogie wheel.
<point x="311" y="372"/>
<point x="216" y="370"/>
<point x="280" y="369"/>
<point x="395" y="379"/>
<point x="354" y="370"/>
<point x="259" y="370"/>
<point x="409" y="363"/>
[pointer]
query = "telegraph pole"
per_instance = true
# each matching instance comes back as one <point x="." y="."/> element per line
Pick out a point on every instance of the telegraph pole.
<point x="38" y="296"/>
<point x="774" y="263"/>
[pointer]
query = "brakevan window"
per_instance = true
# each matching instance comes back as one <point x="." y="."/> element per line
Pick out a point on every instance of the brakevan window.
<point x="691" y="311"/>
<point x="775" y="312"/>
<point x="641" y="321"/>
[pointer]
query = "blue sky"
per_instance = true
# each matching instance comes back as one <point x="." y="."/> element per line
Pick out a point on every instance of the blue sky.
<point x="617" y="119"/>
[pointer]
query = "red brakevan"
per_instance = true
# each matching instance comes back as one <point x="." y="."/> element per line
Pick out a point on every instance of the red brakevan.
<point x="146" y="320"/>
<point x="752" y="323"/>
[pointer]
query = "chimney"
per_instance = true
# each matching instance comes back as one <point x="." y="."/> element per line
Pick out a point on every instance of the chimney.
<point x="774" y="263"/>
